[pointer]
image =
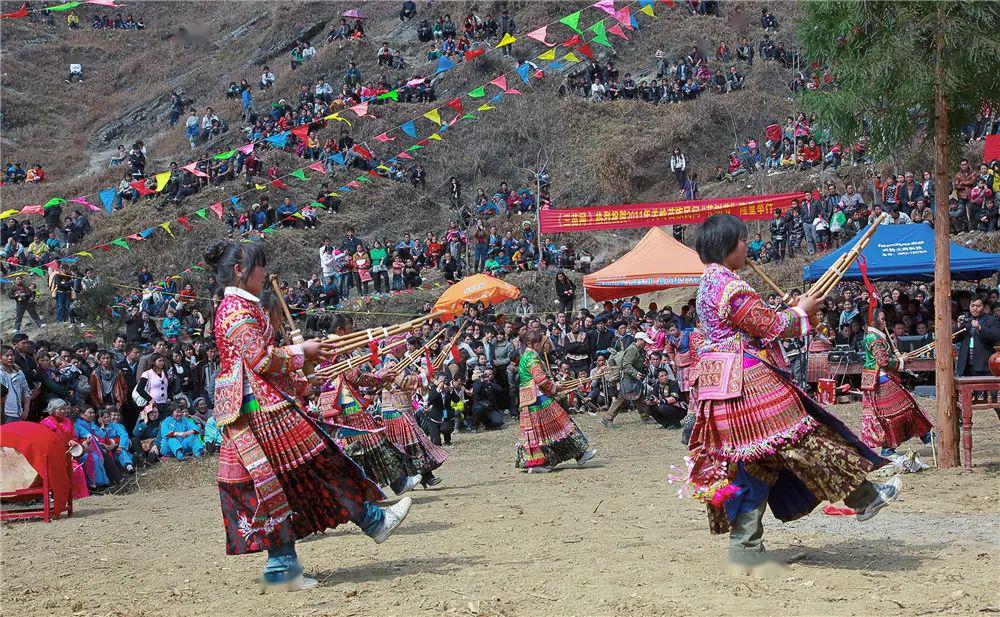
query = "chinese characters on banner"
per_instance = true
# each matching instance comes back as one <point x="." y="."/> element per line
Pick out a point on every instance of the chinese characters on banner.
<point x="752" y="208"/>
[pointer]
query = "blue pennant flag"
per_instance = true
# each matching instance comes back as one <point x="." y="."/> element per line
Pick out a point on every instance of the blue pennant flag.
<point x="345" y="189"/>
<point x="555" y="65"/>
<point x="496" y="99"/>
<point x="524" y="70"/>
<point x="108" y="198"/>
<point x="145" y="233"/>
<point x="278" y="140"/>
<point x="410" y="129"/>
<point x="337" y="158"/>
<point x="444" y="64"/>
<point x="236" y="202"/>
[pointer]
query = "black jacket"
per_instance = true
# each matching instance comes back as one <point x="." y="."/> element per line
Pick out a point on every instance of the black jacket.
<point x="984" y="339"/>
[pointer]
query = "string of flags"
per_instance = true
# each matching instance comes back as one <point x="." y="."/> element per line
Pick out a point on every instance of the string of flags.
<point x="524" y="71"/>
<point x="23" y="12"/>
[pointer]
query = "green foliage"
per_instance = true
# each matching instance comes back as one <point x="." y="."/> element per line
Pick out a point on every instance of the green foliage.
<point x="882" y="56"/>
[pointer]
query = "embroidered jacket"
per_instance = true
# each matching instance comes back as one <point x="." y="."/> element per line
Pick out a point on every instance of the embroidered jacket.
<point x="879" y="354"/>
<point x="247" y="354"/>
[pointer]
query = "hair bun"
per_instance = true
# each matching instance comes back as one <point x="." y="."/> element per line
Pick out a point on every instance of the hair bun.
<point x="214" y="252"/>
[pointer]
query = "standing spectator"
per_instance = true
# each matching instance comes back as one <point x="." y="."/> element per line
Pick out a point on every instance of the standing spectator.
<point x="964" y="180"/>
<point x="779" y="234"/>
<point x="815" y="210"/>
<point x="691" y="187"/>
<point x="678" y="164"/>
<point x="507" y="26"/>
<point x="25" y="298"/>
<point x="18" y="394"/>
<point x="62" y="292"/>
<point x="566" y="292"/>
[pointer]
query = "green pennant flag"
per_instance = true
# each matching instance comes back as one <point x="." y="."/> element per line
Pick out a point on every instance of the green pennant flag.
<point x="55" y="201"/>
<point x="317" y="204"/>
<point x="65" y="7"/>
<point x="391" y="94"/>
<point x="225" y="155"/>
<point x="478" y="93"/>
<point x="201" y="213"/>
<point x="413" y="147"/>
<point x="600" y="36"/>
<point x="268" y="230"/>
<point x="573" y="21"/>
<point x="468" y="117"/>
<point x="37" y="271"/>
<point x="197" y="268"/>
<point x="364" y="179"/>
<point x="300" y="174"/>
<point x="122" y="243"/>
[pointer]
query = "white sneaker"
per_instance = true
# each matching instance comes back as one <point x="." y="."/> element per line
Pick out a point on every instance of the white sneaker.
<point x="887" y="493"/>
<point x="542" y="469"/>
<point x="394" y="515"/>
<point x="411" y="481"/>
<point x="586" y="456"/>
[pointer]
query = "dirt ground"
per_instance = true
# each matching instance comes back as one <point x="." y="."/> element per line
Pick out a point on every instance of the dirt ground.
<point x="611" y="539"/>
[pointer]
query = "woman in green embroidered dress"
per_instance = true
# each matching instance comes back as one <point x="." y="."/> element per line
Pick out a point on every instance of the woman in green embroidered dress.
<point x="548" y="435"/>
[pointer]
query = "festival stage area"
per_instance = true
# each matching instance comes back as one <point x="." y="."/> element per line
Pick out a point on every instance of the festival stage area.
<point x="613" y="539"/>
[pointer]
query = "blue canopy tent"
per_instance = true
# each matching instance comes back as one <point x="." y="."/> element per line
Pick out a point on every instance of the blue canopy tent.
<point x="906" y="253"/>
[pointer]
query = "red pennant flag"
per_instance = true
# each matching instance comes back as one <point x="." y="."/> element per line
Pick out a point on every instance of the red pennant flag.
<point x="430" y="364"/>
<point x="278" y="184"/>
<point x="103" y="247"/>
<point x="669" y="3"/>
<point x="185" y="223"/>
<point x="585" y="50"/>
<point x="571" y="41"/>
<point x="373" y="349"/>
<point x="539" y="74"/>
<point x="455" y="353"/>
<point x="302" y="132"/>
<point x="423" y="142"/>
<point x="140" y="187"/>
<point x="474" y="53"/>
<point x="500" y="82"/>
<point x="456" y="104"/>
<point x="20" y="13"/>
<point x="872" y="292"/>
<point x="217" y="209"/>
<point x="362" y="152"/>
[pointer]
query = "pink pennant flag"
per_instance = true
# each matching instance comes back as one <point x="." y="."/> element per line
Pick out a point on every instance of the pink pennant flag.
<point x="454" y="120"/>
<point x="193" y="168"/>
<point x="136" y="237"/>
<point x="608" y="6"/>
<point x="414" y="82"/>
<point x="317" y="166"/>
<point x="52" y="265"/>
<point x="512" y="91"/>
<point x="624" y="18"/>
<point x="539" y="74"/>
<point x="354" y="184"/>
<point x="247" y="149"/>
<point x="361" y="109"/>
<point x="384" y="137"/>
<point x="82" y="200"/>
<point x="403" y="155"/>
<point x="33" y="210"/>
<point x="500" y="82"/>
<point x="617" y="31"/>
<point x="217" y="209"/>
<point x="110" y="3"/>
<point x="539" y="35"/>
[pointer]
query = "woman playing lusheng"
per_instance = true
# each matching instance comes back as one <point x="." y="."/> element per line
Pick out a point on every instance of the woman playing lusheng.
<point x="758" y="440"/>
<point x="889" y="415"/>
<point x="548" y="435"/>
<point x="281" y="478"/>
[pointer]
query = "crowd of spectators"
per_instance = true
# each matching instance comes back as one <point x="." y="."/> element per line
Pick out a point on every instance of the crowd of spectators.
<point x="15" y="173"/>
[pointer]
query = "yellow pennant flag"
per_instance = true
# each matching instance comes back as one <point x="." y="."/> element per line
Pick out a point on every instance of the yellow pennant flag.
<point x="506" y="40"/>
<point x="333" y="194"/>
<point x="648" y="10"/>
<point x="85" y="254"/>
<point x="571" y="57"/>
<point x="336" y="116"/>
<point x="382" y="167"/>
<point x="298" y="215"/>
<point x="435" y="137"/>
<point x="161" y="180"/>
<point x="166" y="228"/>
<point x="548" y="54"/>
<point x="259" y="187"/>
<point x="433" y="116"/>
<point x="485" y="107"/>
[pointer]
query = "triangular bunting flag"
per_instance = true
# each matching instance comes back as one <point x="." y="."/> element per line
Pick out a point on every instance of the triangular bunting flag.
<point x="55" y="201"/>
<point x="235" y="200"/>
<point x="414" y="148"/>
<point x="648" y="10"/>
<point x="392" y="94"/>
<point x="435" y="137"/>
<point x="83" y="201"/>
<point x="456" y="104"/>
<point x="572" y="21"/>
<point x="247" y="149"/>
<point x="361" y="109"/>
<point x="302" y="132"/>
<point x="279" y="140"/>
<point x="585" y="50"/>
<point x="338" y="158"/>
<point x="444" y="63"/>
<point x="469" y="117"/>
<point x="20" y="13"/>
<point x="500" y="82"/>
<point x="524" y="71"/>
<point x="548" y="54"/>
<point x="434" y="117"/>
<point x="259" y="187"/>
<point x="624" y="18"/>
<point x="166" y="228"/>
<point x="600" y="37"/>
<point x="103" y="247"/>
<point x="570" y="57"/>
<point x="224" y="155"/>
<point x="539" y="35"/>
<point x="506" y="40"/>
<point x="216" y="208"/>
<point x="107" y="197"/>
<point x="409" y="128"/>
<point x="278" y="184"/>
<point x="161" y="180"/>
<point x="608" y="6"/>
<point x="202" y="213"/>
<point x="572" y="41"/>
<point x="484" y="107"/>
<point x="404" y="155"/>
<point x="363" y="152"/>
<point x="140" y="187"/>
<point x="477" y="93"/>
<point x="122" y="243"/>
<point x="185" y="222"/>
<point x="474" y="53"/>
<point x="617" y="31"/>
<point x="64" y="7"/>
<point x="318" y="166"/>
<point x="298" y="173"/>
<point x="85" y="254"/>
<point x="384" y="137"/>
<point x="193" y="168"/>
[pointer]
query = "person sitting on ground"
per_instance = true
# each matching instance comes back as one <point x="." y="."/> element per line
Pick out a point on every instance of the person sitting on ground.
<point x="179" y="436"/>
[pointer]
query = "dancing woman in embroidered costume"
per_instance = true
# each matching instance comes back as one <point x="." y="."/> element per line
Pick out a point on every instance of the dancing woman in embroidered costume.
<point x="758" y="440"/>
<point x="889" y="414"/>
<point x="281" y="478"/>
<point x="548" y="435"/>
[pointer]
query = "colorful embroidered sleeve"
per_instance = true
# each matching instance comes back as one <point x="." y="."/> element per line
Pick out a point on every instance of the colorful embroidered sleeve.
<point x="750" y="314"/>
<point x="537" y="372"/>
<point x="246" y="333"/>
<point x="881" y="353"/>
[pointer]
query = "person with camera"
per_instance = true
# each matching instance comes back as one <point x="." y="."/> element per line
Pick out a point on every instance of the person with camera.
<point x="486" y="393"/>
<point x="665" y="404"/>
<point x="631" y="387"/>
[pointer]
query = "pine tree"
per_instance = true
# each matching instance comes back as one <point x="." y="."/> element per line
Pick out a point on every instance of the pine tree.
<point x="911" y="73"/>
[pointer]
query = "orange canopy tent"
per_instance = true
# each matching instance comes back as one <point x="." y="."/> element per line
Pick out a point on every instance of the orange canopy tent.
<point x="475" y="288"/>
<point x="657" y="262"/>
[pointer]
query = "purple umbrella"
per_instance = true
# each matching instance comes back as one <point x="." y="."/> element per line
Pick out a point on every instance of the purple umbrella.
<point x="354" y="14"/>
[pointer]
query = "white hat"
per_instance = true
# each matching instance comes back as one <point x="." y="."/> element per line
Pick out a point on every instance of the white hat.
<point x="642" y="336"/>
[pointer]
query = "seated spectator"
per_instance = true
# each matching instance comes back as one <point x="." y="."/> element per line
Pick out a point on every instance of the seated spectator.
<point x="408" y="11"/>
<point x="179" y="436"/>
<point x="267" y="78"/>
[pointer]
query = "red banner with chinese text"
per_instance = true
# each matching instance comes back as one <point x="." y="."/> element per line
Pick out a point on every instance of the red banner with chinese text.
<point x="654" y="214"/>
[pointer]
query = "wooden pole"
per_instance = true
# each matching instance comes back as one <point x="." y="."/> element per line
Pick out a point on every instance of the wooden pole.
<point x="947" y="418"/>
